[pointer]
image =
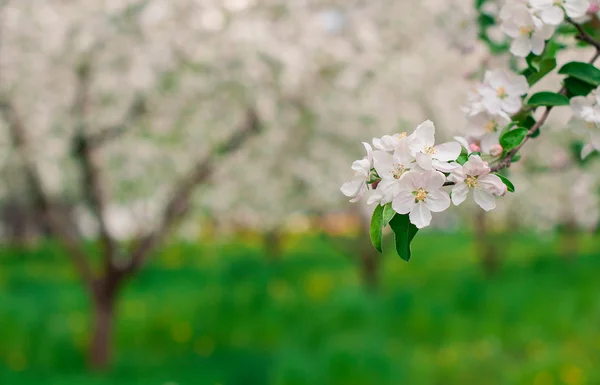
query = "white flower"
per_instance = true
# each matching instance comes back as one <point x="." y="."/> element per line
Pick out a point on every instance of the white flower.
<point x="552" y="11"/>
<point x="586" y="118"/>
<point x="501" y="92"/>
<point x="486" y="128"/>
<point x="357" y="187"/>
<point x="529" y="33"/>
<point x="427" y="155"/>
<point x="475" y="175"/>
<point x="389" y="142"/>
<point x="391" y="168"/>
<point x="420" y="194"/>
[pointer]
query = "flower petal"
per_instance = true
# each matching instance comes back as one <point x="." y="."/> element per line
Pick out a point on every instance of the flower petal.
<point x="459" y="193"/>
<point x="404" y="202"/>
<point x="420" y="215"/>
<point x="425" y="133"/>
<point x="444" y="166"/>
<point x="447" y="151"/>
<point x="352" y="188"/>
<point x="432" y="180"/>
<point x="424" y="161"/>
<point x="521" y="47"/>
<point x="484" y="199"/>
<point x="437" y="201"/>
<point x="493" y="184"/>
<point x="553" y="15"/>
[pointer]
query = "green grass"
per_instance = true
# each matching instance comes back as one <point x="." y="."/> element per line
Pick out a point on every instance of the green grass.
<point x="222" y="314"/>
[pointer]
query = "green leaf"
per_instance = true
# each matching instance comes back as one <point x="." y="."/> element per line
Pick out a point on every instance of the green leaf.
<point x="376" y="225"/>
<point x="404" y="232"/>
<point x="576" y="87"/>
<point x="513" y="138"/>
<point x="546" y="66"/>
<point x="516" y="158"/>
<point x="388" y="213"/>
<point x="462" y="159"/>
<point x="582" y="71"/>
<point x="549" y="99"/>
<point x="509" y="185"/>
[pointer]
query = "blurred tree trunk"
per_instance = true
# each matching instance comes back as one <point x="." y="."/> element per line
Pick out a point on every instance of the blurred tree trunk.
<point x="272" y="244"/>
<point x="486" y="250"/>
<point x="101" y="344"/>
<point x="569" y="240"/>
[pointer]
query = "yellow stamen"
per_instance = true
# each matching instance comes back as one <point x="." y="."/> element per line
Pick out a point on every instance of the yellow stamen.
<point x="420" y="195"/>
<point x="526" y="30"/>
<point x="491" y="126"/>
<point x="403" y="135"/>
<point x="471" y="181"/>
<point x="430" y="150"/>
<point x="501" y="92"/>
<point x="398" y="171"/>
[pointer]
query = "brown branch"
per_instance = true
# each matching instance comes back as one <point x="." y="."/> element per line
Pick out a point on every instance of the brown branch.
<point x="54" y="220"/>
<point x="583" y="35"/>
<point x="87" y="158"/>
<point x="136" y="110"/>
<point x="178" y="205"/>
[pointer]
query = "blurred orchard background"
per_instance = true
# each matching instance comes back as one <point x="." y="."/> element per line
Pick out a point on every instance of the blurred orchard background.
<point x="170" y="208"/>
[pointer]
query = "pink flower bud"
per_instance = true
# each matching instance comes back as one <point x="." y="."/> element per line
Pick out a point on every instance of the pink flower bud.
<point x="594" y="8"/>
<point x="473" y="147"/>
<point x="496" y="150"/>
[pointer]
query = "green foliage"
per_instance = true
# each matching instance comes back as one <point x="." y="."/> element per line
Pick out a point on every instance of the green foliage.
<point x="508" y="183"/>
<point x="404" y="232"/>
<point x="376" y="228"/>
<point x="576" y="87"/>
<point x="548" y="99"/>
<point x="388" y="213"/>
<point x="582" y="71"/>
<point x="546" y="66"/>
<point x="513" y="138"/>
<point x="223" y="314"/>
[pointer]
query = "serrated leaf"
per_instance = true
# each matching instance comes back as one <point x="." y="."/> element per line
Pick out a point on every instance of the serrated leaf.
<point x="376" y="228"/>
<point x="576" y="87"/>
<point x="388" y="213"/>
<point x="513" y="138"/>
<point x="510" y="187"/>
<point x="404" y="232"/>
<point x="548" y="99"/>
<point x="582" y="71"/>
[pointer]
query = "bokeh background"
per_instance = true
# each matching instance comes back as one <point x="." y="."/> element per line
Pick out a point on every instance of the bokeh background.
<point x="270" y="278"/>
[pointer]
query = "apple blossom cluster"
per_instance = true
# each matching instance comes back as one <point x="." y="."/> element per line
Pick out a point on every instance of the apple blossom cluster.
<point x="410" y="172"/>
<point x="586" y="119"/>
<point x="490" y="107"/>
<point x="530" y="23"/>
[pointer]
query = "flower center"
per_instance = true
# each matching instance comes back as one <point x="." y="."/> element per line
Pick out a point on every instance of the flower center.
<point x="591" y="125"/>
<point x="526" y="30"/>
<point x="471" y="181"/>
<point x="420" y="195"/>
<point x="430" y="150"/>
<point x="491" y="126"/>
<point x="501" y="92"/>
<point x="398" y="171"/>
<point x="403" y="135"/>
